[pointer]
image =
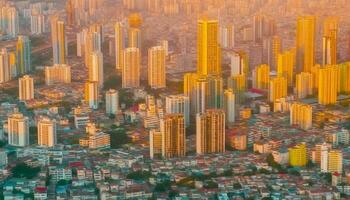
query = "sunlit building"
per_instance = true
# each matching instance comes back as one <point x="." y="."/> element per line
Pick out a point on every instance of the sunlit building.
<point x="208" y="49"/>
<point x="261" y="77"/>
<point x="227" y="36"/>
<point x="155" y="143"/>
<point x="59" y="43"/>
<point x="304" y="85"/>
<point x="239" y="63"/>
<point x="229" y="106"/>
<point x="58" y="73"/>
<point x="298" y="155"/>
<point x="26" y="88"/>
<point x="329" y="41"/>
<point x="5" y="69"/>
<point x="96" y="68"/>
<point x="156" y="67"/>
<point x="112" y="101"/>
<point x="305" y="43"/>
<point x="285" y="65"/>
<point x="134" y="38"/>
<point x="328" y="85"/>
<point x="172" y="127"/>
<point x="178" y="104"/>
<point x="277" y="88"/>
<point x="210" y="128"/>
<point x="47" y="132"/>
<point x="18" y="130"/>
<point x="131" y="68"/>
<point x="23" y="51"/>
<point x="301" y="115"/>
<point x="119" y="44"/>
<point x="92" y="94"/>
<point x="344" y="77"/>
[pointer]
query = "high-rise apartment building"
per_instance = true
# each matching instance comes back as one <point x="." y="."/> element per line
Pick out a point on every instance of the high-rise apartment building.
<point x="298" y="155"/>
<point x="301" y="115"/>
<point x="304" y="85"/>
<point x="92" y="94"/>
<point x="178" y="104"/>
<point x="277" y="88"/>
<point x="96" y="68"/>
<point x="229" y="106"/>
<point x="112" y="101"/>
<point x="47" y="132"/>
<point x="59" y="43"/>
<point x="210" y="128"/>
<point x="172" y="127"/>
<point x="208" y="49"/>
<point x="155" y="143"/>
<point x="305" y="43"/>
<point x="18" y="130"/>
<point x="156" y="67"/>
<point x="26" y="88"/>
<point x="23" y="51"/>
<point x="328" y="84"/>
<point x="261" y="77"/>
<point x="119" y="44"/>
<point x="131" y="68"/>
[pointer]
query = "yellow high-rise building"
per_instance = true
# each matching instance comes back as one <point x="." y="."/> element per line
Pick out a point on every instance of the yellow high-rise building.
<point x="329" y="47"/>
<point x="208" y="49"/>
<point x="276" y="50"/>
<point x="190" y="80"/>
<point x="285" y="65"/>
<point x="315" y="75"/>
<point x="301" y="114"/>
<point x="335" y="161"/>
<point x="278" y="88"/>
<point x="237" y="83"/>
<point x="131" y="68"/>
<point x="156" y="67"/>
<point x="155" y="143"/>
<point x="345" y="77"/>
<point x="92" y="94"/>
<point x="210" y="136"/>
<point x="298" y="155"/>
<point x="134" y="38"/>
<point x="304" y="85"/>
<point x="261" y="77"/>
<point x="328" y="84"/>
<point x="58" y="38"/>
<point x="119" y="45"/>
<point x="172" y="127"/>
<point x="305" y="43"/>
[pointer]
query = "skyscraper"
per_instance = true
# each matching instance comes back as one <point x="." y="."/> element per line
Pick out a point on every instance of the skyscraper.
<point x="208" y="93"/>
<point x="18" y="130"/>
<point x="229" y="106"/>
<point x="5" y="70"/>
<point x="155" y="143"/>
<point x="285" y="65"/>
<point x="112" y="101"/>
<point x="208" y="49"/>
<point x="329" y="41"/>
<point x="261" y="77"/>
<point x="92" y="94"/>
<point x="305" y="43"/>
<point x="178" y="104"/>
<point x="335" y="161"/>
<point x="301" y="115"/>
<point x="239" y="63"/>
<point x="47" y="132"/>
<point x="134" y="38"/>
<point x="119" y="44"/>
<point x="328" y="85"/>
<point x="304" y="85"/>
<point x="96" y="68"/>
<point x="344" y="77"/>
<point x="172" y="127"/>
<point x="26" y="88"/>
<point x="156" y="67"/>
<point x="58" y="37"/>
<point x="227" y="36"/>
<point x="23" y="55"/>
<point x="277" y="88"/>
<point x="210" y="128"/>
<point x="131" y="68"/>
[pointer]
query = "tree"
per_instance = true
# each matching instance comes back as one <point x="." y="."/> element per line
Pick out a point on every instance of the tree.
<point x="119" y="138"/>
<point x="22" y="170"/>
<point x="139" y="175"/>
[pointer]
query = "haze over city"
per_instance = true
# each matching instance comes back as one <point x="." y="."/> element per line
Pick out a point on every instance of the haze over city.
<point x="174" y="99"/>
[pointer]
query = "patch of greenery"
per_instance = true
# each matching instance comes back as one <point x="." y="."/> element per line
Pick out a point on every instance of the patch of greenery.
<point x="22" y="170"/>
<point x="139" y="175"/>
<point x="119" y="138"/>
